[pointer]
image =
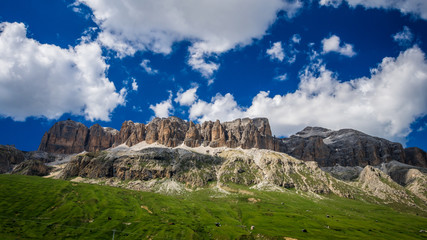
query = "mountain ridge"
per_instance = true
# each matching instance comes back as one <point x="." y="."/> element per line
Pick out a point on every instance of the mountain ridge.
<point x="345" y="147"/>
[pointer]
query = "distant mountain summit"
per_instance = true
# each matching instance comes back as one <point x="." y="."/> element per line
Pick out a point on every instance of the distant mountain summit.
<point x="345" y="147"/>
<point x="348" y="147"/>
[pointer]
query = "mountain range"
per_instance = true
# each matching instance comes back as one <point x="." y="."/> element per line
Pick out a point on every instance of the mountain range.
<point x="345" y="147"/>
<point x="170" y="155"/>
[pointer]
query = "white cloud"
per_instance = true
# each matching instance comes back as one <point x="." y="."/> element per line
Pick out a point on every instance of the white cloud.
<point x="145" y="65"/>
<point x="296" y="38"/>
<point x="276" y="51"/>
<point x="404" y="38"/>
<point x="134" y="85"/>
<point x="384" y="104"/>
<point x="415" y="7"/>
<point x="333" y="3"/>
<point x="213" y="27"/>
<point x="163" y="109"/>
<point x="45" y="80"/>
<point x="198" y="62"/>
<point x="221" y="107"/>
<point x="186" y="98"/>
<point x="282" y="77"/>
<point x="332" y="44"/>
<point x="285" y="52"/>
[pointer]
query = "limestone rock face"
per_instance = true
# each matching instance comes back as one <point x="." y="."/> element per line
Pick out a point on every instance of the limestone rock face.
<point x="72" y="137"/>
<point x="345" y="147"/>
<point x="328" y="148"/>
<point x="416" y="157"/>
<point x="9" y="156"/>
<point x="172" y="131"/>
<point x="65" y="137"/>
<point x="218" y="138"/>
<point x="99" y="138"/>
<point x="192" y="136"/>
<point x="131" y="133"/>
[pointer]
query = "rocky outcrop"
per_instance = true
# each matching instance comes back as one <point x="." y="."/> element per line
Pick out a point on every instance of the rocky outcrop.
<point x="416" y="157"/>
<point x="131" y="133"/>
<point x="9" y="157"/>
<point x="65" y="137"/>
<point x="32" y="168"/>
<point x="192" y="136"/>
<point x="99" y="138"/>
<point x="193" y="169"/>
<point x="12" y="158"/>
<point x="345" y="147"/>
<point x="379" y="184"/>
<point x="247" y="167"/>
<point x="72" y="137"/>
<point x="346" y="173"/>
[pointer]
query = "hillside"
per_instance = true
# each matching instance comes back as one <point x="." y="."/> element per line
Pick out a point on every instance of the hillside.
<point x="35" y="208"/>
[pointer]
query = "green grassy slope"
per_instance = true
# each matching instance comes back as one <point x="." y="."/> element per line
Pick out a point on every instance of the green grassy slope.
<point x="38" y="208"/>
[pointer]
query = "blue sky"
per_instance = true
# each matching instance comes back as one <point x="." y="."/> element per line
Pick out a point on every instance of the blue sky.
<point x="331" y="63"/>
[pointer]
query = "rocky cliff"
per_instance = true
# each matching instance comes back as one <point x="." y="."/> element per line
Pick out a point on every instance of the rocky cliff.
<point x="416" y="157"/>
<point x="68" y="137"/>
<point x="9" y="157"/>
<point x="345" y="147"/>
<point x="73" y="137"/>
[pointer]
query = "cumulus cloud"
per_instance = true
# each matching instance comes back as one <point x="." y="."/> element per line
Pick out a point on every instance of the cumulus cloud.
<point x="415" y="7"/>
<point x="221" y="107"/>
<point x="384" y="104"/>
<point x="198" y="62"/>
<point x="404" y="38"/>
<point x="163" y="109"/>
<point x="212" y="27"/>
<point x="145" y="64"/>
<point x="134" y="85"/>
<point x="276" y="51"/>
<point x="45" y="80"/>
<point x="333" y="44"/>
<point x="186" y="98"/>
<point x="285" y="52"/>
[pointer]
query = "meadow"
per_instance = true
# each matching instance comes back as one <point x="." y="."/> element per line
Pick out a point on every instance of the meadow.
<point x="40" y="208"/>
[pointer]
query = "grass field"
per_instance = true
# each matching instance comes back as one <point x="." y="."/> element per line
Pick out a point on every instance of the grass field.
<point x="38" y="208"/>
